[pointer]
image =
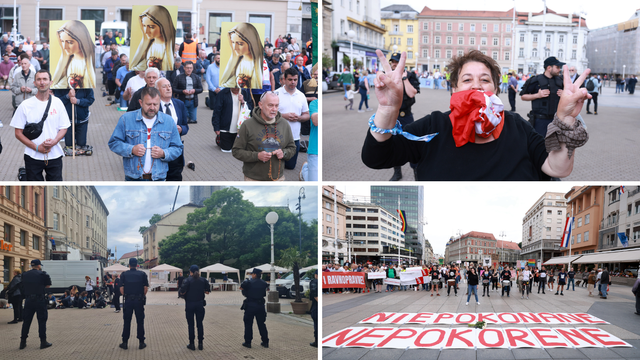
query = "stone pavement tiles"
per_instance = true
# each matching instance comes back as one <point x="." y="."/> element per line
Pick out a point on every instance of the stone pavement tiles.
<point x="96" y="333"/>
<point x="104" y="165"/>
<point x="340" y="311"/>
<point x="610" y="154"/>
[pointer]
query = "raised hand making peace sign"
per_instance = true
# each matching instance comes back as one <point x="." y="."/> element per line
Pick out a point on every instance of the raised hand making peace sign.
<point x="573" y="96"/>
<point x="389" y="92"/>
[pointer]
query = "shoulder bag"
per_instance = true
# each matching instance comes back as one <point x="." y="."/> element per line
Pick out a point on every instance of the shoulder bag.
<point x="34" y="130"/>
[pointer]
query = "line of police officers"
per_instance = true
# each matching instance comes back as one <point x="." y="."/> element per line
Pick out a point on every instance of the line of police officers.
<point x="134" y="287"/>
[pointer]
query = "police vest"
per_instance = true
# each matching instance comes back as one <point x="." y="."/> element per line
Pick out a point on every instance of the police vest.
<point x="546" y="106"/>
<point x="120" y="41"/>
<point x="34" y="282"/>
<point x="189" y="53"/>
<point x="134" y="282"/>
<point x="196" y="288"/>
<point x="255" y="289"/>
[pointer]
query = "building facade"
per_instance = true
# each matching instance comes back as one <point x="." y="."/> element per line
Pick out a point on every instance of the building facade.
<point x="124" y="259"/>
<point x="563" y="36"/>
<point x="375" y="235"/>
<point x="401" y="23"/>
<point x="23" y="230"/>
<point x="411" y="200"/>
<point x="167" y="225"/>
<point x="327" y="29"/>
<point x="471" y="247"/>
<point x="444" y="34"/>
<point x="334" y="227"/>
<point x="543" y="227"/>
<point x="614" y="49"/>
<point x="508" y="252"/>
<point x="621" y="214"/>
<point x="363" y="17"/>
<point x="76" y="218"/>
<point x="584" y="203"/>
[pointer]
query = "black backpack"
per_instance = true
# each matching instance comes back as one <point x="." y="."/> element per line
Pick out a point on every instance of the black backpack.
<point x="590" y="85"/>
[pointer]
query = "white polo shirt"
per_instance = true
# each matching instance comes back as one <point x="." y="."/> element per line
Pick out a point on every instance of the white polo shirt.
<point x="31" y="111"/>
<point x="296" y="103"/>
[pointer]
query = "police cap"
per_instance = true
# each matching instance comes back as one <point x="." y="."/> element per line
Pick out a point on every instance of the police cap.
<point x="133" y="262"/>
<point x="35" y="262"/>
<point x="395" y="57"/>
<point x="257" y="271"/>
<point x="550" y="61"/>
<point x="194" y="268"/>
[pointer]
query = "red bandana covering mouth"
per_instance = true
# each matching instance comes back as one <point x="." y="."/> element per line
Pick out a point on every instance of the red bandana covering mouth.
<point x="475" y="112"/>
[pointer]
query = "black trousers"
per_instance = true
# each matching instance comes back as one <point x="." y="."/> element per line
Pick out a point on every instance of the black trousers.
<point x="257" y="311"/>
<point x="507" y="289"/>
<point x="485" y="289"/>
<point x="638" y="302"/>
<point x="452" y="285"/>
<point x="116" y="300"/>
<point x="129" y="307"/>
<point x="195" y="309"/>
<point x="112" y="86"/>
<point x="33" y="307"/>
<point x="175" y="169"/>
<point x="314" y="316"/>
<point x="212" y="99"/>
<point x="53" y="169"/>
<point x="227" y="139"/>
<point x="541" y="284"/>
<point x="512" y="99"/>
<point x="291" y="163"/>
<point x="595" y="102"/>
<point x="16" y="301"/>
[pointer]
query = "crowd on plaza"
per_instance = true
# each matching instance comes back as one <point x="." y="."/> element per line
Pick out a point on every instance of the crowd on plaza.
<point x="290" y="89"/>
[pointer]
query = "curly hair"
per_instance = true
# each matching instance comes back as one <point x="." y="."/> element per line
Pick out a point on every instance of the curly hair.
<point x="456" y="63"/>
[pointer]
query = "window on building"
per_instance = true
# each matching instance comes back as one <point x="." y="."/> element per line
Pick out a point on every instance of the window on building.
<point x="472" y="41"/>
<point x="36" y="204"/>
<point x="561" y="39"/>
<point x="425" y="26"/>
<point x="558" y="229"/>
<point x="460" y="26"/>
<point x="534" y="53"/>
<point x="535" y="37"/>
<point x="560" y="212"/>
<point x="507" y="42"/>
<point x="437" y="39"/>
<point x="393" y="40"/>
<point x="587" y="219"/>
<point x="437" y="53"/>
<point x="23" y="196"/>
<point x="263" y="19"/>
<point x="507" y="56"/>
<point x="460" y="52"/>
<point x="579" y="221"/>
<point x="358" y="7"/>
<point x="472" y="27"/>
<point x="483" y="41"/>
<point x="410" y="28"/>
<point x="559" y="221"/>
<point x="328" y="218"/>
<point x="409" y="55"/>
<point x="56" y="221"/>
<point x="215" y="27"/>
<point x="425" y="39"/>
<point x="448" y="54"/>
<point x="586" y="236"/>
<point x="573" y="54"/>
<point x="437" y="26"/>
<point x="484" y="27"/>
<point x="521" y="37"/>
<point x="410" y="41"/>
<point x="548" y="228"/>
<point x="328" y="230"/>
<point x="508" y="29"/>
<point x="449" y="39"/>
<point x="579" y="238"/>
<point x="575" y="39"/>
<point x="494" y="55"/>
<point x="88" y="242"/>
<point x="460" y="40"/>
<point x="425" y="53"/>
<point x="36" y="242"/>
<point x="399" y="41"/>
<point x="548" y="220"/>
<point x="449" y="26"/>
<point x="548" y="38"/>
<point x="350" y="4"/>
<point x="396" y="28"/>
<point x="496" y="27"/>
<point x="547" y="53"/>
<point x="549" y="212"/>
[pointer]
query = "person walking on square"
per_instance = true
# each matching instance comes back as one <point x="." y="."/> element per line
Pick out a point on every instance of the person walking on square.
<point x="542" y="280"/>
<point x="604" y="283"/>
<point x="255" y="291"/>
<point x="562" y="280"/>
<point x="187" y="86"/>
<point x="593" y="87"/>
<point x="591" y="280"/>
<point x="526" y="278"/>
<point x="34" y="283"/>
<point x="15" y="294"/>
<point x="472" y="278"/>
<point x="134" y="288"/>
<point x="513" y="90"/>
<point x="486" y="281"/>
<point x="572" y="281"/>
<point x="176" y="109"/>
<point x="505" y="276"/>
<point x="117" y="283"/>
<point x="193" y="290"/>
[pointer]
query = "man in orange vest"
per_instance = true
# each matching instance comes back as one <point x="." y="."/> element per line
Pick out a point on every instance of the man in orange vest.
<point x="189" y="49"/>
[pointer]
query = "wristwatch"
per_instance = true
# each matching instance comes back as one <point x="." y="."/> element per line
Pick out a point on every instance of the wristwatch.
<point x="404" y="78"/>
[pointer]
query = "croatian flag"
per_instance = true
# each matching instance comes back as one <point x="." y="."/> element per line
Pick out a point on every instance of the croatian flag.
<point x="566" y="237"/>
<point x="621" y="191"/>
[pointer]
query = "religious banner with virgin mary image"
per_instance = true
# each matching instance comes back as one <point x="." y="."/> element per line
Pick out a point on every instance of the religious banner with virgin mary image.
<point x="72" y="54"/>
<point x="153" y="37"/>
<point x="241" y="55"/>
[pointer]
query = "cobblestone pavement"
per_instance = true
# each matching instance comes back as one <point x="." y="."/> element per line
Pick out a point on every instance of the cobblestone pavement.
<point x="610" y="154"/>
<point x="344" y="310"/>
<point x="96" y="333"/>
<point x="104" y="165"/>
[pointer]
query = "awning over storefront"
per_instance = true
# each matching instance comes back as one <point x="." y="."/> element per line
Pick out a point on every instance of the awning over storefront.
<point x="619" y="256"/>
<point x="562" y="260"/>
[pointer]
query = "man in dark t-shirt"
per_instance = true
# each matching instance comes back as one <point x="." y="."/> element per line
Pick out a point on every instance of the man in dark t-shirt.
<point x="571" y="274"/>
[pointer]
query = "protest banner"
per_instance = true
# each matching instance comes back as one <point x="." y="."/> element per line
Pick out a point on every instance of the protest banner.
<point x="489" y="318"/>
<point x="343" y="280"/>
<point x="376" y="275"/>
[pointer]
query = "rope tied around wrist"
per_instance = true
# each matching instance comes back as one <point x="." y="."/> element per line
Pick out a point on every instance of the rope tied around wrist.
<point x="397" y="130"/>
<point x="573" y="136"/>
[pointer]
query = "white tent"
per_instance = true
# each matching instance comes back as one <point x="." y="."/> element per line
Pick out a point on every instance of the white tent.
<point x="305" y="269"/>
<point x="266" y="268"/>
<point x="220" y="268"/>
<point x="115" y="268"/>
<point x="166" y="267"/>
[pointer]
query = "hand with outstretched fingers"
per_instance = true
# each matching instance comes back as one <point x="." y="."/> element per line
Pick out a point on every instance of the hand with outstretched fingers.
<point x="573" y="97"/>
<point x="389" y="91"/>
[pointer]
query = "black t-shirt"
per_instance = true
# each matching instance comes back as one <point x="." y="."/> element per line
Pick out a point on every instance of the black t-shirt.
<point x="562" y="276"/>
<point x="533" y="85"/>
<point x="543" y="274"/>
<point x="518" y="154"/>
<point x="506" y="275"/>
<point x="571" y="274"/>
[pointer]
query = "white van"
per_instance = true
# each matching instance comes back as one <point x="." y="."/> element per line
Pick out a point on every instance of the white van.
<point x="66" y="273"/>
<point x="285" y="286"/>
<point x="116" y="26"/>
<point x="179" y="33"/>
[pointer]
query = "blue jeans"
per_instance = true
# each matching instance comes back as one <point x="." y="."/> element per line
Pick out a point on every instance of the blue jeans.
<point x="572" y="281"/>
<point x="363" y="98"/>
<point x="313" y="167"/>
<point x="123" y="102"/>
<point x="291" y="163"/>
<point x="473" y="288"/>
<point x="390" y="287"/>
<point x="603" y="289"/>
<point x="192" y="114"/>
<point x="81" y="134"/>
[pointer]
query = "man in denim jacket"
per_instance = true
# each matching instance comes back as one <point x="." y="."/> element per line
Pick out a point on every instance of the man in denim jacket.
<point x="146" y="139"/>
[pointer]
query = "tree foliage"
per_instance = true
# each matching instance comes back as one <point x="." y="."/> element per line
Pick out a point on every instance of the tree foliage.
<point x="293" y="259"/>
<point x="233" y="231"/>
<point x="154" y="219"/>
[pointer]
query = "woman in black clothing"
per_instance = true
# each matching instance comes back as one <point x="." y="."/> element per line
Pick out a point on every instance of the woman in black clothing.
<point x="494" y="279"/>
<point x="15" y="295"/>
<point x="472" y="279"/>
<point x="193" y="290"/>
<point x="497" y="145"/>
<point x="506" y="280"/>
<point x="486" y="281"/>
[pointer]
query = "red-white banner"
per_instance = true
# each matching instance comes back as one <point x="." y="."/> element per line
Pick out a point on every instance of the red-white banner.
<point x="343" y="280"/>
<point x="471" y="338"/>
<point x="427" y="318"/>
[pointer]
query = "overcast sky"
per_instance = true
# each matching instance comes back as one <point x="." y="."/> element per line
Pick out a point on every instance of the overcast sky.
<point x="485" y="207"/>
<point x="132" y="206"/>
<point x="599" y="13"/>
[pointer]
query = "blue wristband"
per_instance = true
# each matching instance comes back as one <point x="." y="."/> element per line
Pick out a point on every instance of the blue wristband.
<point x="397" y="130"/>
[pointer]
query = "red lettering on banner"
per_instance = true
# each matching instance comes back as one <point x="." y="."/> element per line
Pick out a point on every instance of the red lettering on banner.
<point x="443" y="316"/>
<point x="514" y="337"/>
<point x="418" y="342"/>
<point x="485" y="317"/>
<point x="472" y="318"/>
<point x="382" y="317"/>
<point x="396" y="335"/>
<point x="402" y="316"/>
<point x="419" y="280"/>
<point x="419" y="316"/>
<point x="340" y="280"/>
<point x="425" y="272"/>
<point x="597" y="335"/>
<point x="553" y="335"/>
<point x="547" y="316"/>
<point x="525" y="317"/>
<point x="482" y="340"/>
<point x="569" y="318"/>
<point x="570" y="334"/>
<point x="589" y="319"/>
<point x="341" y="336"/>
<point x="515" y="318"/>
<point x="368" y="334"/>
<point x="456" y="334"/>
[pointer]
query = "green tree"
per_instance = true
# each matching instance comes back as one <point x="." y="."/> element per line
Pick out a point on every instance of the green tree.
<point x="292" y="258"/>
<point x="154" y="219"/>
<point x="327" y="61"/>
<point x="346" y="60"/>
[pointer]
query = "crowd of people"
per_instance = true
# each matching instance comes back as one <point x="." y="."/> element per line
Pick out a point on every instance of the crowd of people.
<point x="288" y="76"/>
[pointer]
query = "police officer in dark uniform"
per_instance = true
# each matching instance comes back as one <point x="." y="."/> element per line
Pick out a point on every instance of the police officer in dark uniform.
<point x="255" y="291"/>
<point x="193" y="291"/>
<point x="313" y="294"/>
<point x="411" y="88"/>
<point x="544" y="92"/>
<point x="34" y="283"/>
<point x="117" y="283"/>
<point x="134" y="288"/>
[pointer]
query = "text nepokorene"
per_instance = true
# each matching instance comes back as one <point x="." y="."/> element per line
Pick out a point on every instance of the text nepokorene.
<point x="520" y="318"/>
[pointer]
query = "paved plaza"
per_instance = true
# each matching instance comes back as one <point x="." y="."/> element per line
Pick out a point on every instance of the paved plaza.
<point x="341" y="311"/>
<point x="211" y="164"/>
<point x="610" y="155"/>
<point x="96" y="333"/>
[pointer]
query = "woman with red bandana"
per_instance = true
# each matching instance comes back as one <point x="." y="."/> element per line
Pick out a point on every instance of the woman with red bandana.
<point x="477" y="139"/>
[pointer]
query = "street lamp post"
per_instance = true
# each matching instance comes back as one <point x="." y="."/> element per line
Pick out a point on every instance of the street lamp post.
<point x="299" y="206"/>
<point x="428" y="65"/>
<point x="351" y="35"/>
<point x="273" y="303"/>
<point x="14" y="30"/>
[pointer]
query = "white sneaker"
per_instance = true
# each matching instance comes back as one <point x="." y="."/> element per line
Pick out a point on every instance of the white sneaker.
<point x="360" y="110"/>
<point x="467" y="304"/>
<point x="1" y="124"/>
<point x="369" y="109"/>
<point x="225" y="151"/>
<point x="478" y="303"/>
